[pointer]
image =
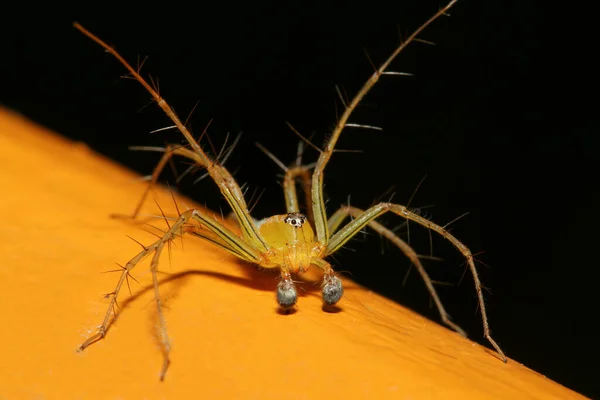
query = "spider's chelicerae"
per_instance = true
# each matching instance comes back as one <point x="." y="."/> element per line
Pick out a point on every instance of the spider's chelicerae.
<point x="291" y="242"/>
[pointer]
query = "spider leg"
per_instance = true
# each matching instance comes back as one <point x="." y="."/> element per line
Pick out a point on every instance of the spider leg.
<point x="338" y="217"/>
<point x="164" y="336"/>
<point x="298" y="171"/>
<point x="363" y="219"/>
<point x="220" y="175"/>
<point x="168" y="151"/>
<point x="318" y="202"/>
<point x="221" y="235"/>
<point x="301" y="172"/>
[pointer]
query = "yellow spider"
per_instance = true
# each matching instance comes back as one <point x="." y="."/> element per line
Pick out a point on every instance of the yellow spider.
<point x="291" y="242"/>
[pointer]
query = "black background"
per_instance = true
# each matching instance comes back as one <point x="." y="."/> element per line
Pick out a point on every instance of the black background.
<point x="498" y="117"/>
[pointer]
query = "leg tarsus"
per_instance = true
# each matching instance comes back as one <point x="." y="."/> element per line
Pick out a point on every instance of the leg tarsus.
<point x="164" y="336"/>
<point x="446" y="320"/>
<point x="92" y="339"/>
<point x="163" y="371"/>
<point x="503" y="357"/>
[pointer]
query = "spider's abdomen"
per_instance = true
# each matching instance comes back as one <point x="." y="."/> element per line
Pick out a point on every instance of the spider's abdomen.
<point x="291" y="240"/>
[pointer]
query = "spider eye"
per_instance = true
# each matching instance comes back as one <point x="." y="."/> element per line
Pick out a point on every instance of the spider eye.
<point x="286" y="293"/>
<point x="332" y="289"/>
<point x="295" y="219"/>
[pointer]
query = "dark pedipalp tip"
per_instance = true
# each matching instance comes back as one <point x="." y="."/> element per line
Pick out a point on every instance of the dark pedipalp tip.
<point x="333" y="289"/>
<point x="286" y="293"/>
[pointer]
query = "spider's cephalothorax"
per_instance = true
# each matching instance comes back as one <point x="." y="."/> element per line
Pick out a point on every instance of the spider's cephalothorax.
<point x="290" y="242"/>
<point x="293" y="249"/>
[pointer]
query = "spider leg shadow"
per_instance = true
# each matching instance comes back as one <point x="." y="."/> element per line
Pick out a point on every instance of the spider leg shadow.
<point x="257" y="281"/>
<point x="255" y="278"/>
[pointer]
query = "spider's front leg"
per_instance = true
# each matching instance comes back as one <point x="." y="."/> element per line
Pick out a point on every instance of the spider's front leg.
<point x="219" y="174"/>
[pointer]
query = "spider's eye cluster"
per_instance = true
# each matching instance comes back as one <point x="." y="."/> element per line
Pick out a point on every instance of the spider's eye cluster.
<point x="295" y="219"/>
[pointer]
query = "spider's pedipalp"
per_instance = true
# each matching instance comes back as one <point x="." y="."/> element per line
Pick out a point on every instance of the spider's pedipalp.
<point x="333" y="290"/>
<point x="287" y="296"/>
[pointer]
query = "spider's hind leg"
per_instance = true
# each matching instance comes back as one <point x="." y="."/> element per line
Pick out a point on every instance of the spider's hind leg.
<point x="364" y="218"/>
<point x="168" y="151"/>
<point x="338" y="217"/>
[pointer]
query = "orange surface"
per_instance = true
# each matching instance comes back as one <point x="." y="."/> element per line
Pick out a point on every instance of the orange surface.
<point x="228" y="339"/>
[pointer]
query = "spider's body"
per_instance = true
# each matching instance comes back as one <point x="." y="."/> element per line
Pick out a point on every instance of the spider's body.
<point x="293" y="249"/>
<point x="291" y="242"/>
